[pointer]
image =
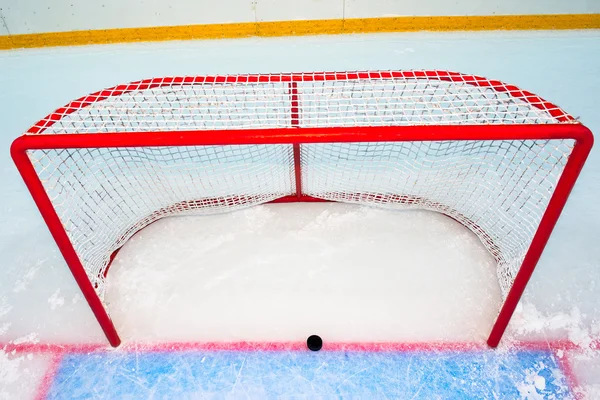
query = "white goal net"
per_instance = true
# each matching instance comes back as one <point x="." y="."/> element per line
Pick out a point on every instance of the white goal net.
<point x="497" y="188"/>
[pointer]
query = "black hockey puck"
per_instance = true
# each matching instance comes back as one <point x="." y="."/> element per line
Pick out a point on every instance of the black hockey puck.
<point x="314" y="343"/>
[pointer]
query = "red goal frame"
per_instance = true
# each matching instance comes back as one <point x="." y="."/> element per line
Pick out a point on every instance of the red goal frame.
<point x="565" y="128"/>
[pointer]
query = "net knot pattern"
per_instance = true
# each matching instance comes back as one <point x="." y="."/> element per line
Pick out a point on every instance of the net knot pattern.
<point x="381" y="98"/>
<point x="499" y="189"/>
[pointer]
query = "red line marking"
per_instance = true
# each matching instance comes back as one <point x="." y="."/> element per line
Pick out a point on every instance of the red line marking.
<point x="555" y="345"/>
<point x="48" y="378"/>
<point x="433" y="75"/>
<point x="300" y="346"/>
<point x="52" y="348"/>
<point x="57" y="352"/>
<point x="566" y="367"/>
<point x="245" y="346"/>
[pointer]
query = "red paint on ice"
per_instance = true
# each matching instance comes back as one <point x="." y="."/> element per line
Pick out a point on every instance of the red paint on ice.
<point x="48" y="378"/>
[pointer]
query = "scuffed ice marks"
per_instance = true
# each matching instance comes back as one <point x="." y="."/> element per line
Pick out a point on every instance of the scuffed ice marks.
<point x="23" y="282"/>
<point x="528" y="321"/>
<point x="20" y="374"/>
<point x="56" y="300"/>
<point x="168" y="245"/>
<point x="258" y="275"/>
<point x="4" y="310"/>
<point x="9" y="372"/>
<point x="533" y="387"/>
<point x="32" y="337"/>
<point x="298" y="374"/>
<point x="256" y="218"/>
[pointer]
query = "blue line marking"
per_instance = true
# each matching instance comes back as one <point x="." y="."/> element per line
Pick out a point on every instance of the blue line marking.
<point x="297" y="374"/>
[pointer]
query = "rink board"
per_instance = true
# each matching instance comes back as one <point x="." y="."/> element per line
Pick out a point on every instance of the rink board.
<point x="474" y="374"/>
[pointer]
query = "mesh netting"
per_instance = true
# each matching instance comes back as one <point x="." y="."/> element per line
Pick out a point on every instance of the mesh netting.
<point x="326" y="100"/>
<point x="498" y="189"/>
<point x="104" y="196"/>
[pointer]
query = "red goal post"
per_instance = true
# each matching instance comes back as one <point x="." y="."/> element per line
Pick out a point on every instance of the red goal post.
<point x="498" y="159"/>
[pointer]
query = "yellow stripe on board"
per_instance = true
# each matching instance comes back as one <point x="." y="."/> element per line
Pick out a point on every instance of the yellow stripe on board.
<point x="300" y="28"/>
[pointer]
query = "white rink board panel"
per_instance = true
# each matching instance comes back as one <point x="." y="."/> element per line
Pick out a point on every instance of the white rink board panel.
<point x="290" y="10"/>
<point x="394" y="8"/>
<point x="39" y="16"/>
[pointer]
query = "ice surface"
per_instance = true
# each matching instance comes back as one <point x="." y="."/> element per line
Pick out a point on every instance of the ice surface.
<point x="562" y="298"/>
<point x="20" y="374"/>
<point x="282" y="272"/>
<point x="334" y="374"/>
<point x="586" y="365"/>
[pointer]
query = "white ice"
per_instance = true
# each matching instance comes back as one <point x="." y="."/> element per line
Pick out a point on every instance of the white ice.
<point x="21" y="373"/>
<point x="39" y="300"/>
<point x="285" y="271"/>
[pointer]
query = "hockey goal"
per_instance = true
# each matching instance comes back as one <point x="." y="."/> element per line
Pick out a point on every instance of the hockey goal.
<point x="497" y="159"/>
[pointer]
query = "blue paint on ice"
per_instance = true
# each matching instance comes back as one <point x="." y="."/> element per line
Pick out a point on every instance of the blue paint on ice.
<point x="277" y="374"/>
